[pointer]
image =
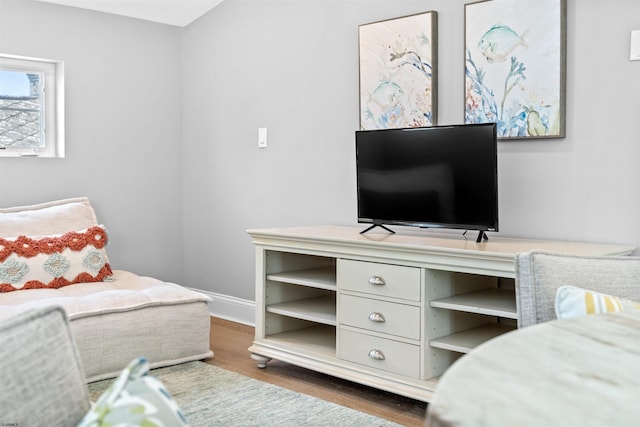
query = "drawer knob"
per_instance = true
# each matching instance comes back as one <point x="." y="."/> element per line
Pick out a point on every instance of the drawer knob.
<point x="377" y="281"/>
<point x="376" y="354"/>
<point x="377" y="317"/>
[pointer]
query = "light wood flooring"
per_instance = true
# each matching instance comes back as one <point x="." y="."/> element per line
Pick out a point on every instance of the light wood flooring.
<point x="230" y="341"/>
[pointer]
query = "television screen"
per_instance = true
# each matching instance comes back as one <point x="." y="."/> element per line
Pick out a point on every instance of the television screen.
<point x="440" y="176"/>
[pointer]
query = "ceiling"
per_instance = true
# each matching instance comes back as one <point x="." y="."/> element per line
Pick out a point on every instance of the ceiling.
<point x="172" y="12"/>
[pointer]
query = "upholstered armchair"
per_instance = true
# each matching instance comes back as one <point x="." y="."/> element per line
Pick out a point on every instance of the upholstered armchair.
<point x="540" y="274"/>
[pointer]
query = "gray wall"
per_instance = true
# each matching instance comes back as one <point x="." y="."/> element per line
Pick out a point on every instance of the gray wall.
<point x="162" y="128"/>
<point x="122" y="128"/>
<point x="293" y="67"/>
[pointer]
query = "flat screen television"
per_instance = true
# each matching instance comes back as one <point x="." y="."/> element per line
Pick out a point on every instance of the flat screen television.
<point x="439" y="176"/>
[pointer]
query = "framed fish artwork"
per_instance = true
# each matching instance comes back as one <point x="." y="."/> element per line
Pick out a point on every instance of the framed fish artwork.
<point x="398" y="72"/>
<point x="515" y="67"/>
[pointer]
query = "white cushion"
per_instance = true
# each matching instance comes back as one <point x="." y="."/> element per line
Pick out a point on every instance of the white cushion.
<point x="131" y="316"/>
<point x="57" y="217"/>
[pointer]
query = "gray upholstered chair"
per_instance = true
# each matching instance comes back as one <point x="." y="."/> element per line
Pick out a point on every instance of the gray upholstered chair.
<point x="540" y="274"/>
<point x="42" y="382"/>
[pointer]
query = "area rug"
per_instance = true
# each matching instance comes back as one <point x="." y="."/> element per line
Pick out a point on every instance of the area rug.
<point x="212" y="396"/>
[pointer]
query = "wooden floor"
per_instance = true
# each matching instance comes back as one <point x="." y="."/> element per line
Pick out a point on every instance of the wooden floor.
<point x="230" y="341"/>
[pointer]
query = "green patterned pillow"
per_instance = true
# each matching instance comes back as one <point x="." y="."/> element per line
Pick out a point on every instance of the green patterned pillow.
<point x="135" y="399"/>
<point x="572" y="301"/>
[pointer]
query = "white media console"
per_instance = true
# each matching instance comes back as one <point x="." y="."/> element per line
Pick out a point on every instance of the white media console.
<point x="392" y="311"/>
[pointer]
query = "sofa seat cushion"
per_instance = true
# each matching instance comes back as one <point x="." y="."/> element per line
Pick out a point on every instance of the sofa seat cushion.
<point x="131" y="316"/>
<point x="127" y="291"/>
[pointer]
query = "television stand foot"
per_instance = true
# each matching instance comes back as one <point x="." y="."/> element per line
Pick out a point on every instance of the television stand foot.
<point x="378" y="225"/>
<point x="482" y="236"/>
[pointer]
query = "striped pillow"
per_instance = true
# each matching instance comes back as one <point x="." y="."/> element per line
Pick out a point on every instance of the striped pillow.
<point x="572" y="301"/>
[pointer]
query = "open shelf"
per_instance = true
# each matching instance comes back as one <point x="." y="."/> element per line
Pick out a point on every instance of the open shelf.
<point x="319" y="339"/>
<point x="493" y="302"/>
<point x="321" y="277"/>
<point x="465" y="341"/>
<point x="320" y="309"/>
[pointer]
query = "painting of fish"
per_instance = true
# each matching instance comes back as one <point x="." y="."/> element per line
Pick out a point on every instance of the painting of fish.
<point x="498" y="42"/>
<point x="515" y="66"/>
<point x="398" y="72"/>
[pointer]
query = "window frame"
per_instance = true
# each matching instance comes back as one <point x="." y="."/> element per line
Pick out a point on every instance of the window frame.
<point x="53" y="106"/>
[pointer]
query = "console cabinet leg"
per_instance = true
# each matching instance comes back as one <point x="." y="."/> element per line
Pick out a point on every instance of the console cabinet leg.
<point x="262" y="360"/>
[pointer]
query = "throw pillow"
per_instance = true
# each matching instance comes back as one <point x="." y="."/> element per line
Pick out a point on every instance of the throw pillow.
<point x="54" y="261"/>
<point x="47" y="219"/>
<point x="572" y="301"/>
<point x="135" y="399"/>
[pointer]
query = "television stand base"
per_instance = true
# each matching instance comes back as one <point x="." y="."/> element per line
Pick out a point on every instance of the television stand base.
<point x="482" y="236"/>
<point x="378" y="225"/>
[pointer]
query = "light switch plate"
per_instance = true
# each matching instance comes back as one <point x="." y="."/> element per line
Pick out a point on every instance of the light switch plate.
<point x="262" y="137"/>
<point x="634" y="49"/>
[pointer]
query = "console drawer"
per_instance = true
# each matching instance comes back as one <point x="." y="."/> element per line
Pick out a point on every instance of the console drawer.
<point x="379" y="279"/>
<point x="380" y="316"/>
<point x="379" y="353"/>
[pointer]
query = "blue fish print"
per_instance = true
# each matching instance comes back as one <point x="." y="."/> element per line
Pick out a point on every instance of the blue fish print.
<point x="498" y="42"/>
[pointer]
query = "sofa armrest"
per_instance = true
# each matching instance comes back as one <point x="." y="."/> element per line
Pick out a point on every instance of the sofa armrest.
<point x="41" y="377"/>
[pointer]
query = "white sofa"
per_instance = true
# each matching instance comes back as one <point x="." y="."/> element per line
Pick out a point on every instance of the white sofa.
<point x="115" y="316"/>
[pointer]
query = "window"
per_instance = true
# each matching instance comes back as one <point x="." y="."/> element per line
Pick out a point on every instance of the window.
<point x="31" y="107"/>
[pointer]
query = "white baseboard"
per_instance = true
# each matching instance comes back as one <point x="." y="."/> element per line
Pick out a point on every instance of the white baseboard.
<point x="231" y="308"/>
